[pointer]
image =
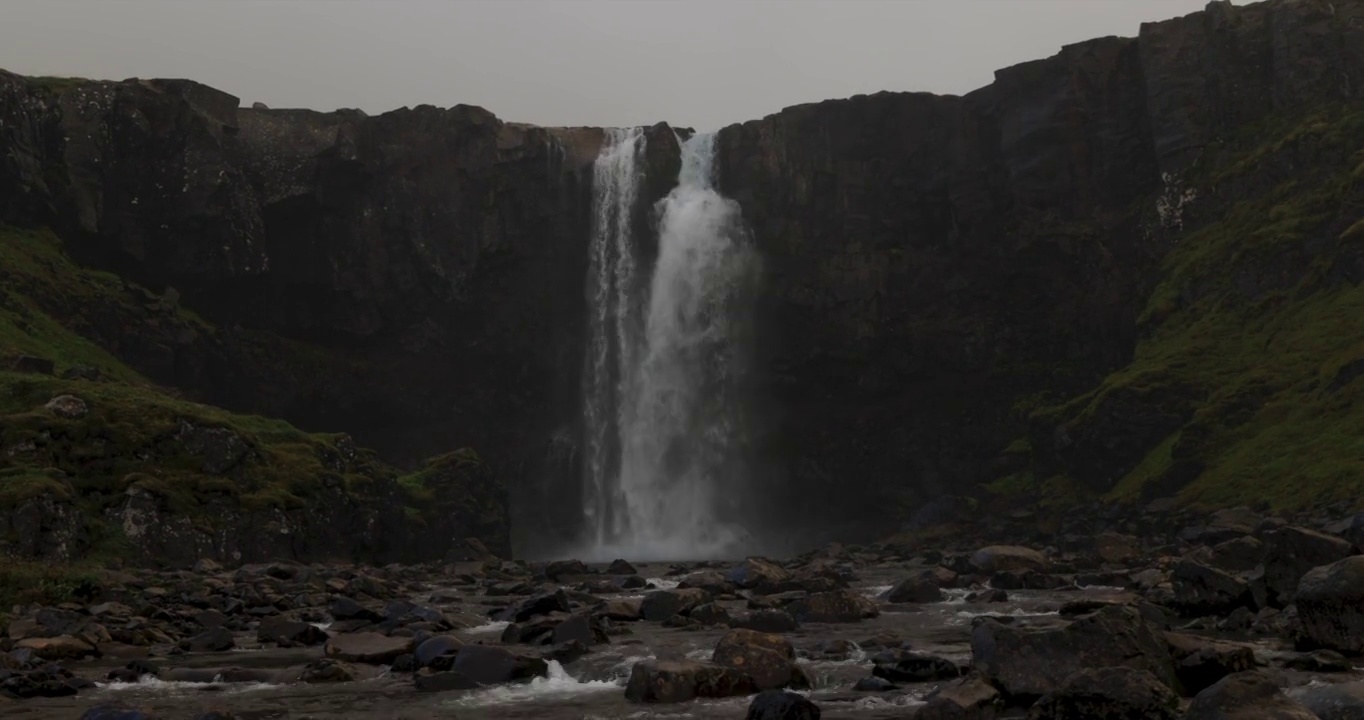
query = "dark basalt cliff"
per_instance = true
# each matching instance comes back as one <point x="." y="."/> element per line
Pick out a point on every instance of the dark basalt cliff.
<point x="951" y="283"/>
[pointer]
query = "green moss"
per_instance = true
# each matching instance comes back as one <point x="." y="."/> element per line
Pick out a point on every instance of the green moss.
<point x="56" y="85"/>
<point x="23" y="582"/>
<point x="21" y="484"/>
<point x="1247" y="329"/>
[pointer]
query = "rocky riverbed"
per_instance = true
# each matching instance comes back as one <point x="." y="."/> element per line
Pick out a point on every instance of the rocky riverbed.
<point x="1241" y="617"/>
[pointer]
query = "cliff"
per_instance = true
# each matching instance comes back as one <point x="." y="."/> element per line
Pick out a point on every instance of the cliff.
<point x="966" y="290"/>
<point x="1111" y="272"/>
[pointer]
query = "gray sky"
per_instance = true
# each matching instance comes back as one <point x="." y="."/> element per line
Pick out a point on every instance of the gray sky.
<point x="703" y="63"/>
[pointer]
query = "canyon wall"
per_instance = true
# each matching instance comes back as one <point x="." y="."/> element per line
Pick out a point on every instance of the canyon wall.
<point x="940" y="272"/>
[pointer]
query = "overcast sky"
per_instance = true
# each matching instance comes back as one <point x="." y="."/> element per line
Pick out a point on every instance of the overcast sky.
<point x="701" y="63"/>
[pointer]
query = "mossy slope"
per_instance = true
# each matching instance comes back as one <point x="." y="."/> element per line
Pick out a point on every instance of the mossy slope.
<point x="128" y="432"/>
<point x="1246" y="384"/>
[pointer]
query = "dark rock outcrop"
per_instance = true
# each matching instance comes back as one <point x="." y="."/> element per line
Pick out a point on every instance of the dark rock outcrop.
<point x="1330" y="602"/>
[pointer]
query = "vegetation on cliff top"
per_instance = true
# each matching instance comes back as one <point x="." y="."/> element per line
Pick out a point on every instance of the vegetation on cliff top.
<point x="1252" y="343"/>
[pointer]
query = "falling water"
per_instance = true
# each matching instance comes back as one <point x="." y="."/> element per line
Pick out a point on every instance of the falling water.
<point x="613" y="319"/>
<point x="665" y="478"/>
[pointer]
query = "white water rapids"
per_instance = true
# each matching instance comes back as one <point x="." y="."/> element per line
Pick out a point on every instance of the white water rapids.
<point x="663" y="412"/>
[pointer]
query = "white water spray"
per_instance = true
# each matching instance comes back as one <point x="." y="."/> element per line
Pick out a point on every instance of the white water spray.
<point x="664" y="480"/>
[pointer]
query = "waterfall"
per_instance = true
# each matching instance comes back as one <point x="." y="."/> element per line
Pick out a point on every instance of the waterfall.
<point x="612" y="322"/>
<point x="663" y="413"/>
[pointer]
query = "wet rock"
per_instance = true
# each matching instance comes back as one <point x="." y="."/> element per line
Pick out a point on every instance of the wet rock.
<point x="218" y="639"/>
<point x="532" y="631"/>
<point x="1200" y="662"/>
<point x="436" y="647"/>
<point x="1114" y="693"/>
<point x="759" y="574"/>
<point x="344" y="608"/>
<point x="907" y="666"/>
<point x="1203" y="590"/>
<point x="838" y="606"/>
<point x="768" y="621"/>
<point x="290" y="633"/>
<point x="770" y="660"/>
<point x="427" y="680"/>
<point x="68" y="407"/>
<point x="1289" y="552"/>
<point x="1026" y="580"/>
<point x="368" y="648"/>
<point x="621" y="567"/>
<point x="404" y="664"/>
<point x="1245" y="696"/>
<point x="674" y="681"/>
<point x="624" y="610"/>
<point x="1330" y="603"/>
<point x="1238" y="555"/>
<point x="326" y="670"/>
<point x="634" y="582"/>
<point x="919" y="588"/>
<point x="1322" y="661"/>
<point x="875" y="684"/>
<point x="566" y="653"/>
<point x="560" y="569"/>
<point x="994" y="595"/>
<point x="63" y="647"/>
<point x="583" y="628"/>
<point x="711" y="581"/>
<point x="1008" y="558"/>
<point x="710" y="614"/>
<point x="116" y="712"/>
<point x="1343" y="701"/>
<point x="490" y="665"/>
<point x="781" y="705"/>
<point x="970" y="699"/>
<point x="556" y="601"/>
<point x="660" y="605"/>
<point x="1029" y="663"/>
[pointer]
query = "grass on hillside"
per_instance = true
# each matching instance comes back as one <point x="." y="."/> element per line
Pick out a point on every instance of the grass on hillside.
<point x="1247" y="339"/>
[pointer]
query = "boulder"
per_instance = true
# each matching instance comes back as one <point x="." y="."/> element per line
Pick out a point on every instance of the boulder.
<point x="710" y="614"/>
<point x="368" y="647"/>
<point x="620" y="567"/>
<point x="660" y="605"/>
<point x="623" y="609"/>
<point x="1008" y="558"/>
<point x="68" y="407"/>
<point x="582" y="627"/>
<point x="711" y="581"/>
<point x="218" y="639"/>
<point x="921" y="587"/>
<point x="344" y="608"/>
<point x="1289" y="552"/>
<point x="1112" y="693"/>
<point x="1200" y="662"/>
<point x="838" y="606"/>
<point x="1203" y="590"/>
<point x="1028" y="663"/>
<point x="674" y="681"/>
<point x="1320" y="661"/>
<point x="1342" y="701"/>
<point x="489" y="665"/>
<point x="759" y="574"/>
<point x="560" y="569"/>
<point x="62" y="647"/>
<point x="970" y="699"/>
<point x="907" y="666"/>
<point x="781" y="705"/>
<point x="533" y="606"/>
<point x="435" y="647"/>
<point x="1330" y="602"/>
<point x="1238" y="555"/>
<point x="1245" y="696"/>
<point x="770" y="660"/>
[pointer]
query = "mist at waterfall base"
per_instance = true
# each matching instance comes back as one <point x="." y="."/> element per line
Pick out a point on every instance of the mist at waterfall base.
<point x="666" y="426"/>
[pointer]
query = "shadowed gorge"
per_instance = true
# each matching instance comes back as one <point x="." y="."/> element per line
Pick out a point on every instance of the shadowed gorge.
<point x="1038" y="291"/>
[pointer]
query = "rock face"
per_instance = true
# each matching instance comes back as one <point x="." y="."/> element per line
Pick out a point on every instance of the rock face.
<point x="1031" y="663"/>
<point x="1330" y="602"/>
<point x="935" y="264"/>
